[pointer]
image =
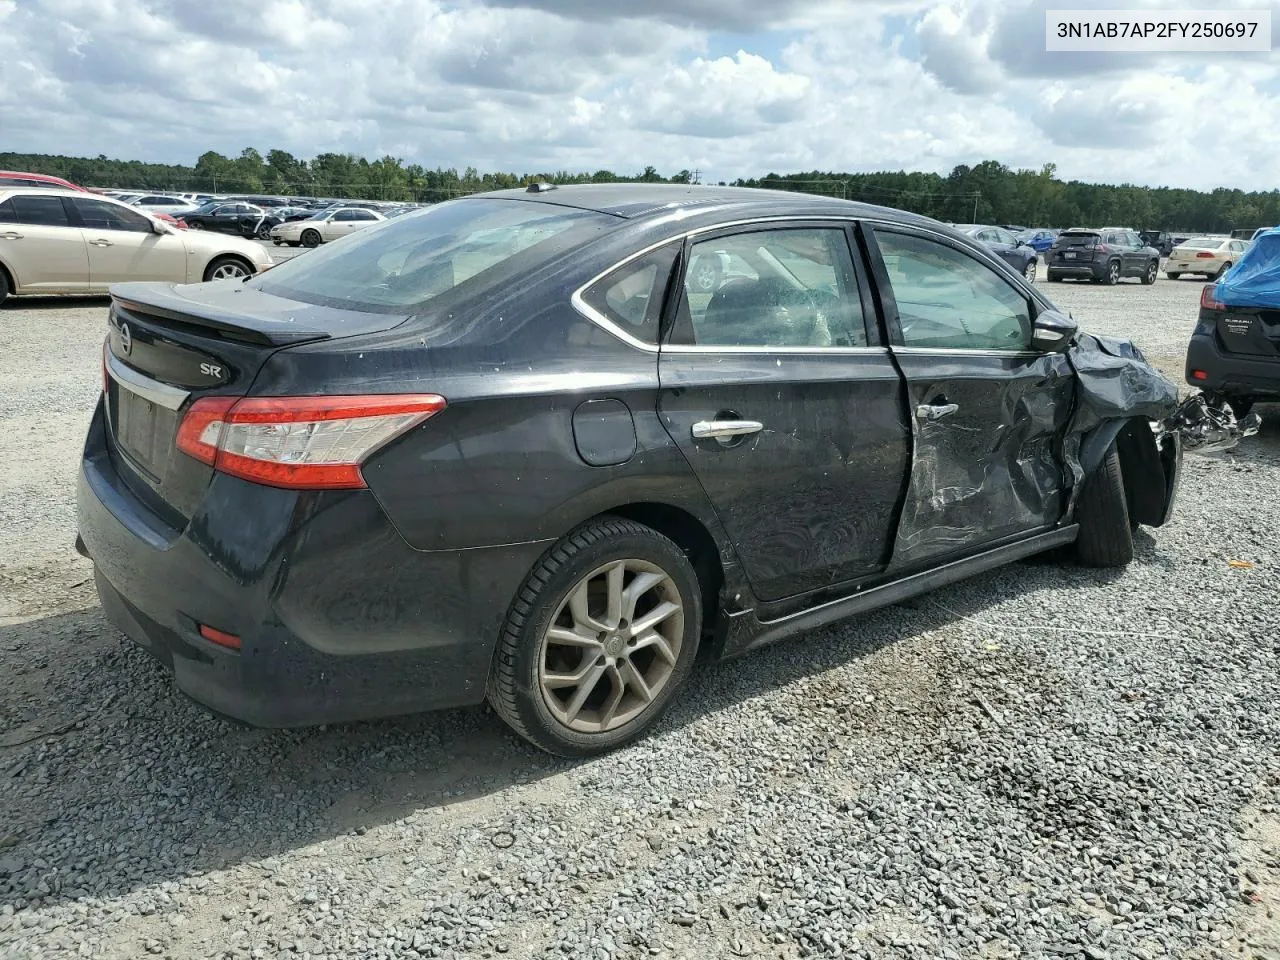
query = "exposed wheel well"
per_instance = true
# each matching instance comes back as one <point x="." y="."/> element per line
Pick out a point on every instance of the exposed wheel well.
<point x="1143" y="470"/>
<point x="689" y="534"/>
<point x="9" y="277"/>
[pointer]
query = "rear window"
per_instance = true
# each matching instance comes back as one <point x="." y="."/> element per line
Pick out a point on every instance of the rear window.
<point x="399" y="265"/>
<point x="1203" y="243"/>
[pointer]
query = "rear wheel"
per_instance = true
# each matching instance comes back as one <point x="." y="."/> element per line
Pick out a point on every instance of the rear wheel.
<point x="227" y="268"/>
<point x="1222" y="271"/>
<point x="1152" y="269"/>
<point x="1173" y="275"/>
<point x="1054" y="277"/>
<point x="599" y="638"/>
<point x="310" y="238"/>
<point x="1112" y="276"/>
<point x="264" y="232"/>
<point x="194" y="225"/>
<point x="1029" y="274"/>
<point x="4" y="286"/>
<point x="1106" y="533"/>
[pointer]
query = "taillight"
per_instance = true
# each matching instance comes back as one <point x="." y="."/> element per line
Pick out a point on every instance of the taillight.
<point x="303" y="443"/>
<point x="1205" y="255"/>
<point x="1208" y="301"/>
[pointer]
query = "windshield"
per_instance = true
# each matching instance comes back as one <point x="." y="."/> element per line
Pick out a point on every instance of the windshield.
<point x="398" y="265"/>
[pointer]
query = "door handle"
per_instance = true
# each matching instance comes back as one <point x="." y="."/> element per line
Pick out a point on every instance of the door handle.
<point x="708" y="429"/>
<point x="928" y="411"/>
<point x="100" y="243"/>
<point x="10" y="235"/>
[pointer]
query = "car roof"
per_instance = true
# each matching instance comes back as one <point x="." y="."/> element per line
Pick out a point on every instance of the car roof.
<point x="635" y="201"/>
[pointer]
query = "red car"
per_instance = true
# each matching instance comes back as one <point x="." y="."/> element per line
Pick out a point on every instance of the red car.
<point x="10" y="178"/>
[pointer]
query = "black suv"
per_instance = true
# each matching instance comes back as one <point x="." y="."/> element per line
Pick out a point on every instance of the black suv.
<point x="1233" y="351"/>
<point x="1158" y="240"/>
<point x="1105" y="256"/>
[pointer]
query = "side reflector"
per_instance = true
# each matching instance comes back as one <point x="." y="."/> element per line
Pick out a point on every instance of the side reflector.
<point x="220" y="637"/>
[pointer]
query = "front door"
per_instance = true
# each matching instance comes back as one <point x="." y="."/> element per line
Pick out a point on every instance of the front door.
<point x="776" y="390"/>
<point x="122" y="245"/>
<point x="988" y="412"/>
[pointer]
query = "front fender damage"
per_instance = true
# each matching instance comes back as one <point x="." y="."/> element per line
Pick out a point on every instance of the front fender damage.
<point x="1123" y="400"/>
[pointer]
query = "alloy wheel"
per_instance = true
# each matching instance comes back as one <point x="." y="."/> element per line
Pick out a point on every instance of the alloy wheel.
<point x="612" y="646"/>
<point x="1030" y="272"/>
<point x="704" y="276"/>
<point x="1113" y="274"/>
<point x="228" y="271"/>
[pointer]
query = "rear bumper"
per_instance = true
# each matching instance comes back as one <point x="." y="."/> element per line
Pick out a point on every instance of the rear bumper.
<point x="1207" y="267"/>
<point x="339" y="618"/>
<point x="1231" y="373"/>
<point x="1080" y="270"/>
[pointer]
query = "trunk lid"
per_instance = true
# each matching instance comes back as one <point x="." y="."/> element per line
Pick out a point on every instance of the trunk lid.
<point x="1076" y="246"/>
<point x="1253" y="331"/>
<point x="169" y="345"/>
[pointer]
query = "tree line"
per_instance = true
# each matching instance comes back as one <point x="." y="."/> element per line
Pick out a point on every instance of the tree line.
<point x="988" y="192"/>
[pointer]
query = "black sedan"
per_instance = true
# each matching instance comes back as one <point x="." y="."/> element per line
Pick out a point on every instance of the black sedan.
<point x="226" y="217"/>
<point x="504" y="448"/>
<point x="1005" y="244"/>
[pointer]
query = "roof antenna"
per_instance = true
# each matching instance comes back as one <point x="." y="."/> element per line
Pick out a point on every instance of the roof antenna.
<point x="540" y="187"/>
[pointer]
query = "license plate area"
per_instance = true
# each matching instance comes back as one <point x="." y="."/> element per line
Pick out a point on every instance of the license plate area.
<point x="1070" y="254"/>
<point x="144" y="430"/>
<point x="1237" y="326"/>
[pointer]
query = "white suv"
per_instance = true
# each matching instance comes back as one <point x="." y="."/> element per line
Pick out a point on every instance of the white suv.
<point x="64" y="241"/>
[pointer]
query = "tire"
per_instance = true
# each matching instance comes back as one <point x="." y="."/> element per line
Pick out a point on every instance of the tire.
<point x="1173" y="275"/>
<point x="527" y="655"/>
<point x="264" y="232"/>
<point x="1222" y="271"/>
<point x="310" y="238"/>
<point x="1054" y="277"/>
<point x="4" y="287"/>
<point x="1029" y="273"/>
<point x="705" y="275"/>
<point x="1153" y="268"/>
<point x="196" y="225"/>
<point x="1113" y="274"/>
<point x="227" y="268"/>
<point x="1106" y="536"/>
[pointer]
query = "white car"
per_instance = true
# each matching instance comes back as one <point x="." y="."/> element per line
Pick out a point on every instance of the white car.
<point x="160" y="203"/>
<point x="1210" y="256"/>
<point x="325" y="225"/>
<point x="63" y="241"/>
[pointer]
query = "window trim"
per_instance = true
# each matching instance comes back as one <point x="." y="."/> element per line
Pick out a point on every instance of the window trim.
<point x="860" y="230"/>
<point x="889" y="302"/>
<point x="675" y="270"/>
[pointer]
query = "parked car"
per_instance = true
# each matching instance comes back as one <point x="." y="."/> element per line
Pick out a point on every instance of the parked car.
<point x="1040" y="239"/>
<point x="501" y="448"/>
<point x="64" y="241"/>
<point x="325" y="225"/>
<point x="162" y="203"/>
<point x="1105" y="255"/>
<point x="232" y="216"/>
<point x="1233" y="349"/>
<point x="1159" y="240"/>
<point x="12" y="178"/>
<point x="1208" y="256"/>
<point x="1004" y="244"/>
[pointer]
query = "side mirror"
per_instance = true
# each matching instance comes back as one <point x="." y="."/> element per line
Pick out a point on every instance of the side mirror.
<point x="1053" y="332"/>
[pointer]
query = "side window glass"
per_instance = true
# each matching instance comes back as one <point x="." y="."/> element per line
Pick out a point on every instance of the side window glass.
<point x="772" y="288"/>
<point x="948" y="300"/>
<point x="97" y="215"/>
<point x="631" y="296"/>
<point x="7" y="214"/>
<point x="40" y="211"/>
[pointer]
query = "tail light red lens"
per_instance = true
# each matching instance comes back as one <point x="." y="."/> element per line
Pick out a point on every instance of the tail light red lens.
<point x="303" y="443"/>
<point x="1199" y="375"/>
<point x="1205" y="255"/>
<point x="1207" y="299"/>
<point x="220" y="637"/>
<point x="1102" y="248"/>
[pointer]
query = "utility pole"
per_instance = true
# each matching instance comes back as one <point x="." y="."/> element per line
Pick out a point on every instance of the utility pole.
<point x="975" y="207"/>
<point x="697" y="176"/>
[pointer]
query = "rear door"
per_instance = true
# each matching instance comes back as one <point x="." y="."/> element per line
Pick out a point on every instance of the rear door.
<point x="41" y="246"/>
<point x="778" y="391"/>
<point x="122" y="245"/>
<point x="988" y="412"/>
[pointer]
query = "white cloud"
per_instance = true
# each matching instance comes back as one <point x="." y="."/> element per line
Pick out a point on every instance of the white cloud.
<point x="529" y="85"/>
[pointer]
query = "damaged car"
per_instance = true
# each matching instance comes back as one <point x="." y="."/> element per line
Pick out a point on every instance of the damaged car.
<point x="512" y="448"/>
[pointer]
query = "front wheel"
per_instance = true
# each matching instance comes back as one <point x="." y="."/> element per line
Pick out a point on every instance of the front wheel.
<point x="227" y="268"/>
<point x="1029" y="273"/>
<point x="599" y="638"/>
<point x="4" y="286"/>
<point x="310" y="238"/>
<point x="1112" y="276"/>
<point x="1102" y="511"/>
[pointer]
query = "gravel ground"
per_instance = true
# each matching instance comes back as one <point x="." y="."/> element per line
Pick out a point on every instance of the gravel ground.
<point x="1044" y="761"/>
